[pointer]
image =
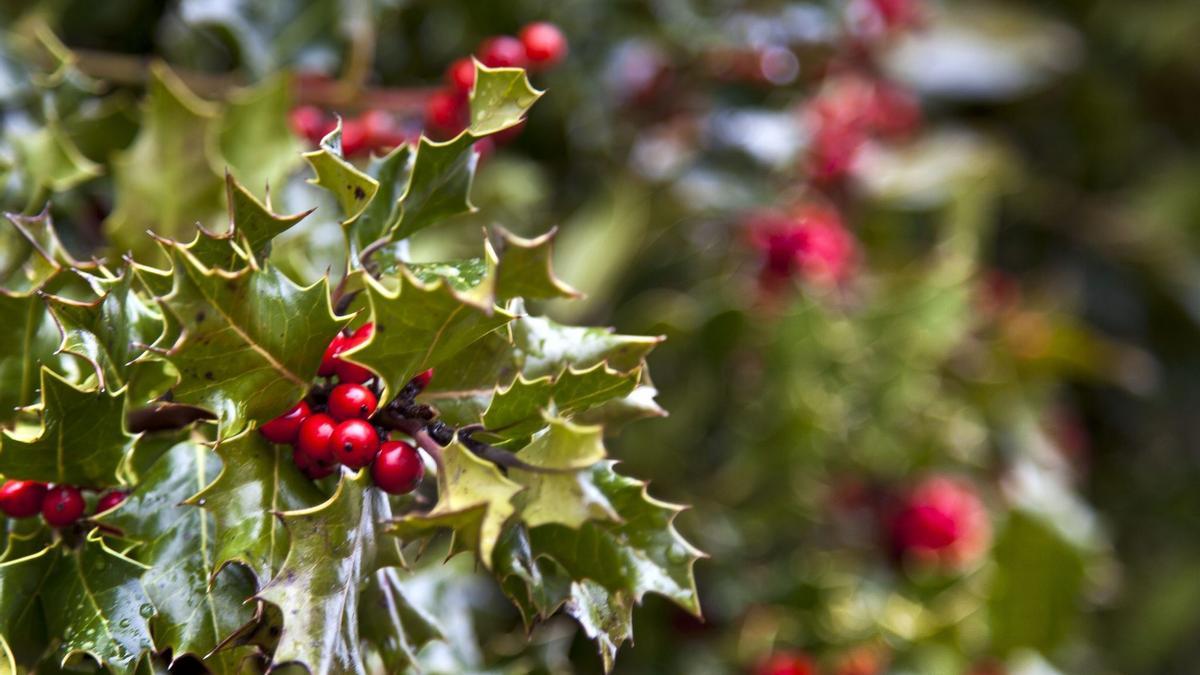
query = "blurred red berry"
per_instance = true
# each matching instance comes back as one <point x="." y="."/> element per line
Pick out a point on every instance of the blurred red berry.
<point x="502" y="51"/>
<point x="382" y="131"/>
<point x="354" y="443"/>
<point x="446" y="112"/>
<point x="899" y="14"/>
<point x="354" y="137"/>
<point x="787" y="663"/>
<point x="310" y="122"/>
<point x="62" y="506"/>
<point x="314" y="437"/>
<point x="310" y="467"/>
<point x="398" y="469"/>
<point x="894" y="111"/>
<point x="811" y="243"/>
<point x="545" y="45"/>
<point x="110" y="500"/>
<point x="286" y="427"/>
<point x="942" y="521"/>
<point x="22" y="498"/>
<point x="349" y="401"/>
<point x="461" y="74"/>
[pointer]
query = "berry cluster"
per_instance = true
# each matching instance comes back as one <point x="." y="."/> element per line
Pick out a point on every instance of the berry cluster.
<point x="374" y="130"/>
<point x="811" y="242"/>
<point x="332" y="427"/>
<point x="60" y="505"/>
<point x="539" y="46"/>
<point x="848" y="112"/>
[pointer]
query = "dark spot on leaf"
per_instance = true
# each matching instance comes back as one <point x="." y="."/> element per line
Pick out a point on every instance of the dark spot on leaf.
<point x="200" y="316"/>
<point x="208" y="375"/>
<point x="359" y="194"/>
<point x="274" y="631"/>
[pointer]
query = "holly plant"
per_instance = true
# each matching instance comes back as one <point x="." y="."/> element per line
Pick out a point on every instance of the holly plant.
<point x="206" y="458"/>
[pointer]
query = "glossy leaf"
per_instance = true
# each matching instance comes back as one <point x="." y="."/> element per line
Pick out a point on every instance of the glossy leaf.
<point x="605" y="616"/>
<point x="26" y="567"/>
<point x="353" y="189"/>
<point x="516" y="412"/>
<point x="525" y="269"/>
<point x="569" y="496"/>
<point x="30" y="330"/>
<point x="500" y="99"/>
<point x="252" y="228"/>
<point x="383" y="213"/>
<point x="545" y="347"/>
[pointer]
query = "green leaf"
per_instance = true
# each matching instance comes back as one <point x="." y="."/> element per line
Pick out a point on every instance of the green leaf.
<point x="257" y="481"/>
<point x="252" y="228"/>
<point x="474" y="500"/>
<point x="25" y="570"/>
<point x="96" y="606"/>
<point x="353" y="188"/>
<point x="640" y="554"/>
<point x="53" y="161"/>
<point x="462" y="275"/>
<point x="382" y="214"/>
<point x="251" y="342"/>
<point x="32" y="339"/>
<point x="568" y="496"/>
<point x="334" y="549"/>
<point x="109" y="333"/>
<point x="605" y="616"/>
<point x="418" y="326"/>
<point x="516" y="412"/>
<point x="392" y="623"/>
<point x="525" y="269"/>
<point x="638" y="404"/>
<point x="545" y="347"/>
<point x="167" y="180"/>
<point x="255" y="138"/>
<point x="37" y="256"/>
<point x="178" y="542"/>
<point x="538" y="586"/>
<point x="500" y="99"/>
<point x="439" y="186"/>
<point x="82" y="440"/>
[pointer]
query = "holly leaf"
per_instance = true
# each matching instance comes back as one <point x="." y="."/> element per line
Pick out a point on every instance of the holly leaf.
<point x="334" y="549"/>
<point x="516" y="412"/>
<point x="392" y="623"/>
<point x="638" y="404"/>
<point x="195" y="608"/>
<point x="605" y="616"/>
<point x="525" y="268"/>
<point x="544" y="347"/>
<point x="254" y="135"/>
<point x="25" y="569"/>
<point x="500" y="99"/>
<point x="474" y="500"/>
<point x="82" y="440"/>
<point x="31" y="338"/>
<point x="538" y="586"/>
<point x="418" y="326"/>
<point x="568" y="495"/>
<point x="251" y="340"/>
<point x="96" y="606"/>
<point x="167" y="180"/>
<point x="380" y="217"/>
<point x="37" y="255"/>
<point x="642" y="553"/>
<point x="52" y="160"/>
<point x="353" y="189"/>
<point x="253" y="226"/>
<point x="109" y="333"/>
<point x="257" y="481"/>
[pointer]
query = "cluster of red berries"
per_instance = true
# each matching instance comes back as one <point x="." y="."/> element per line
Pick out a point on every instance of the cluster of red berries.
<point x="941" y="521"/>
<point x="335" y="429"/>
<point x="858" y="661"/>
<point x="60" y="505"/>
<point x="374" y="130"/>
<point x="846" y="114"/>
<point x="538" y="46"/>
<point x="810" y="242"/>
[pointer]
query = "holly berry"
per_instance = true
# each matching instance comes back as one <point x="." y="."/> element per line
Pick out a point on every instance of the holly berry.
<point x="787" y="663"/>
<point x="382" y="131"/>
<point x="354" y="137"/>
<point x="544" y="44"/>
<point x="398" y="469"/>
<point x="21" y="498"/>
<point x="310" y="122"/>
<point x="941" y="520"/>
<point x="310" y="467"/>
<point x="354" y="443"/>
<point x="349" y="401"/>
<point x="352" y="372"/>
<point x="461" y="74"/>
<point x="446" y="112"/>
<point x="110" y="500"/>
<point x="503" y="51"/>
<point x="329" y="359"/>
<point x="314" y="436"/>
<point x="423" y="379"/>
<point x="286" y="427"/>
<point x="62" y="506"/>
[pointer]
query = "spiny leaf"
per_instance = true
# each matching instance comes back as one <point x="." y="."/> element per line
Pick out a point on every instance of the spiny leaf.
<point x="545" y="347"/>
<point x="605" y="616"/>
<point x="417" y="327"/>
<point x="254" y="135"/>
<point x="96" y="605"/>
<point x="31" y="338"/>
<point x="25" y="569"/>
<point x="52" y="159"/>
<point x="251" y="340"/>
<point x="41" y="255"/>
<point x="334" y="549"/>
<point x="382" y="214"/>
<point x="108" y="333"/>
<point x="516" y="412"/>
<point x="568" y="496"/>
<point x="538" y="586"/>
<point x="500" y="99"/>
<point x="257" y="481"/>
<point x="474" y="500"/>
<point x="82" y="440"/>
<point x="178" y="542"/>
<point x="252" y="228"/>
<point x="167" y="180"/>
<point x="525" y="269"/>
<point x="353" y="188"/>
<point x="392" y="623"/>
<point x="638" y="404"/>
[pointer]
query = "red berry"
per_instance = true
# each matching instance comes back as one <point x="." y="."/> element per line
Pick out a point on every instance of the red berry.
<point x="310" y="467"/>
<point x="329" y="360"/>
<point x="544" y="43"/>
<point x="423" y="379"/>
<point x="354" y="137"/>
<point x="22" y="498"/>
<point x="310" y="122"/>
<point x="352" y="372"/>
<point x="398" y="469"/>
<point x="787" y="663"/>
<point x="354" y="443"/>
<point x="943" y="521"/>
<point x="349" y="401"/>
<point x="314" y="437"/>
<point x="286" y="427"/>
<point x="503" y="51"/>
<point x="461" y="74"/>
<point x="446" y="112"/>
<point x="110" y="500"/>
<point x="382" y="130"/>
<point x="62" y="506"/>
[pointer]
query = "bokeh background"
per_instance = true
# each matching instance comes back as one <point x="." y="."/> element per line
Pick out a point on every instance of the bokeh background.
<point x="927" y="271"/>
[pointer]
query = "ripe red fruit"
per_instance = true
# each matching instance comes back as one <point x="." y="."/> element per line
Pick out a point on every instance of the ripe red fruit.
<point x="354" y="137"/>
<point x="354" y="443"/>
<point x="22" y="498"/>
<point x="398" y="469"/>
<point x="310" y="467"/>
<point x="503" y="51"/>
<point x="110" y="500"/>
<point x="286" y="427"/>
<point x="382" y="130"/>
<point x="544" y="43"/>
<point x="349" y="401"/>
<point x="329" y="359"/>
<point x="812" y="242"/>
<point x="352" y="372"/>
<point x="461" y="74"/>
<point x="942" y="521"/>
<point x="423" y="379"/>
<point x="787" y="663"/>
<point x="446" y="112"/>
<point x="310" y="122"/>
<point x="62" y="506"/>
<point x="314" y="437"/>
